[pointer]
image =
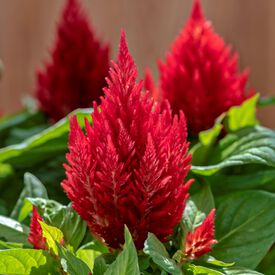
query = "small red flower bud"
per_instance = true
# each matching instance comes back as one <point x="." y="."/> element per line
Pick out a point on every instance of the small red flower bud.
<point x="36" y="235"/>
<point x="202" y="239"/>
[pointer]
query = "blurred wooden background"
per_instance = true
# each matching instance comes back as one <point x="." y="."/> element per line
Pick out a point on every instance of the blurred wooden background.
<point x="27" y="31"/>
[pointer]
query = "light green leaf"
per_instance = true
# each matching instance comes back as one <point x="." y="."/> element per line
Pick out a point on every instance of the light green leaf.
<point x="242" y="116"/>
<point x="211" y="260"/>
<point x="33" y="188"/>
<point x="88" y="256"/>
<point x="53" y="235"/>
<point x="127" y="261"/>
<point x="26" y="261"/>
<point x="156" y="250"/>
<point x="13" y="231"/>
<point x="245" y="227"/>
<point x="248" y="146"/>
<point x="9" y="245"/>
<point x="202" y="270"/>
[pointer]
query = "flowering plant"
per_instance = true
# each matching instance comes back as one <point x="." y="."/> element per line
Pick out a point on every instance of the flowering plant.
<point x="168" y="178"/>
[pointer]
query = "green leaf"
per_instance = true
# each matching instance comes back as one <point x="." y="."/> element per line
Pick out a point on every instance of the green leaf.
<point x="48" y="143"/>
<point x="156" y="250"/>
<point x="60" y="216"/>
<point x="254" y="145"/>
<point x="245" y="227"/>
<point x="239" y="271"/>
<point x="100" y="265"/>
<point x="95" y="245"/>
<point x="242" y="116"/>
<point x="53" y="235"/>
<point x="70" y="263"/>
<point x="13" y="231"/>
<point x="33" y="188"/>
<point x="26" y="261"/>
<point x="202" y="270"/>
<point x="88" y="256"/>
<point x="127" y="261"/>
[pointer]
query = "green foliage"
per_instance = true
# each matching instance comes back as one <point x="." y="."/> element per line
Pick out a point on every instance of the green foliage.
<point x="26" y="261"/>
<point x="60" y="216"/>
<point x="245" y="227"/>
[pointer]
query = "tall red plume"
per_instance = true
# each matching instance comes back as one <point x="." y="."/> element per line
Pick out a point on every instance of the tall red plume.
<point x="200" y="75"/>
<point x="75" y="75"/>
<point x="129" y="168"/>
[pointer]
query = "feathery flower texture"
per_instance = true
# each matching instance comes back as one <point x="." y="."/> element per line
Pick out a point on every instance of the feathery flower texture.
<point x="130" y="166"/>
<point x="75" y="76"/>
<point x="201" y="74"/>
<point x="36" y="235"/>
<point x="202" y="239"/>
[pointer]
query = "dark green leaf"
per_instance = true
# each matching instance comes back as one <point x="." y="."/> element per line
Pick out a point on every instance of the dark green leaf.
<point x="13" y="231"/>
<point x="245" y="227"/>
<point x="239" y="271"/>
<point x="248" y="146"/>
<point x="156" y="250"/>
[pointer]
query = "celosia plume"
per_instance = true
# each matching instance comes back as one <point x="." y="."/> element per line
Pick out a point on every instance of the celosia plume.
<point x="130" y="166"/>
<point x="200" y="75"/>
<point x="202" y="239"/>
<point x="79" y="63"/>
<point x="36" y="235"/>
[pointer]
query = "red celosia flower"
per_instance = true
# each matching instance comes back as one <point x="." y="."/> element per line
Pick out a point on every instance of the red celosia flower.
<point x="76" y="74"/>
<point x="201" y="75"/>
<point x="201" y="240"/>
<point x="150" y="85"/>
<point x="36" y="236"/>
<point x="130" y="166"/>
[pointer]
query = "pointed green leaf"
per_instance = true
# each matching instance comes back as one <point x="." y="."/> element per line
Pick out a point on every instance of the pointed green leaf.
<point x="88" y="256"/>
<point x="127" y="261"/>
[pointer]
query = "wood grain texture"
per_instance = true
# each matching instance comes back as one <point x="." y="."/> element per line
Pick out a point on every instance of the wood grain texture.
<point x="27" y="31"/>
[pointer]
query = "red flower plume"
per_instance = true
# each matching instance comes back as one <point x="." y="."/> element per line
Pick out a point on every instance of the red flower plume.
<point x="202" y="239"/>
<point x="130" y="166"/>
<point x="36" y="236"/>
<point x="79" y="64"/>
<point x="201" y="75"/>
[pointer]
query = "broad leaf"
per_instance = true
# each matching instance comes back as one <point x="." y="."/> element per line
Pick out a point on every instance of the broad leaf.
<point x="13" y="231"/>
<point x="196" y="269"/>
<point x="127" y="261"/>
<point x="254" y="145"/>
<point x="245" y="227"/>
<point x="156" y="250"/>
<point x="26" y="261"/>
